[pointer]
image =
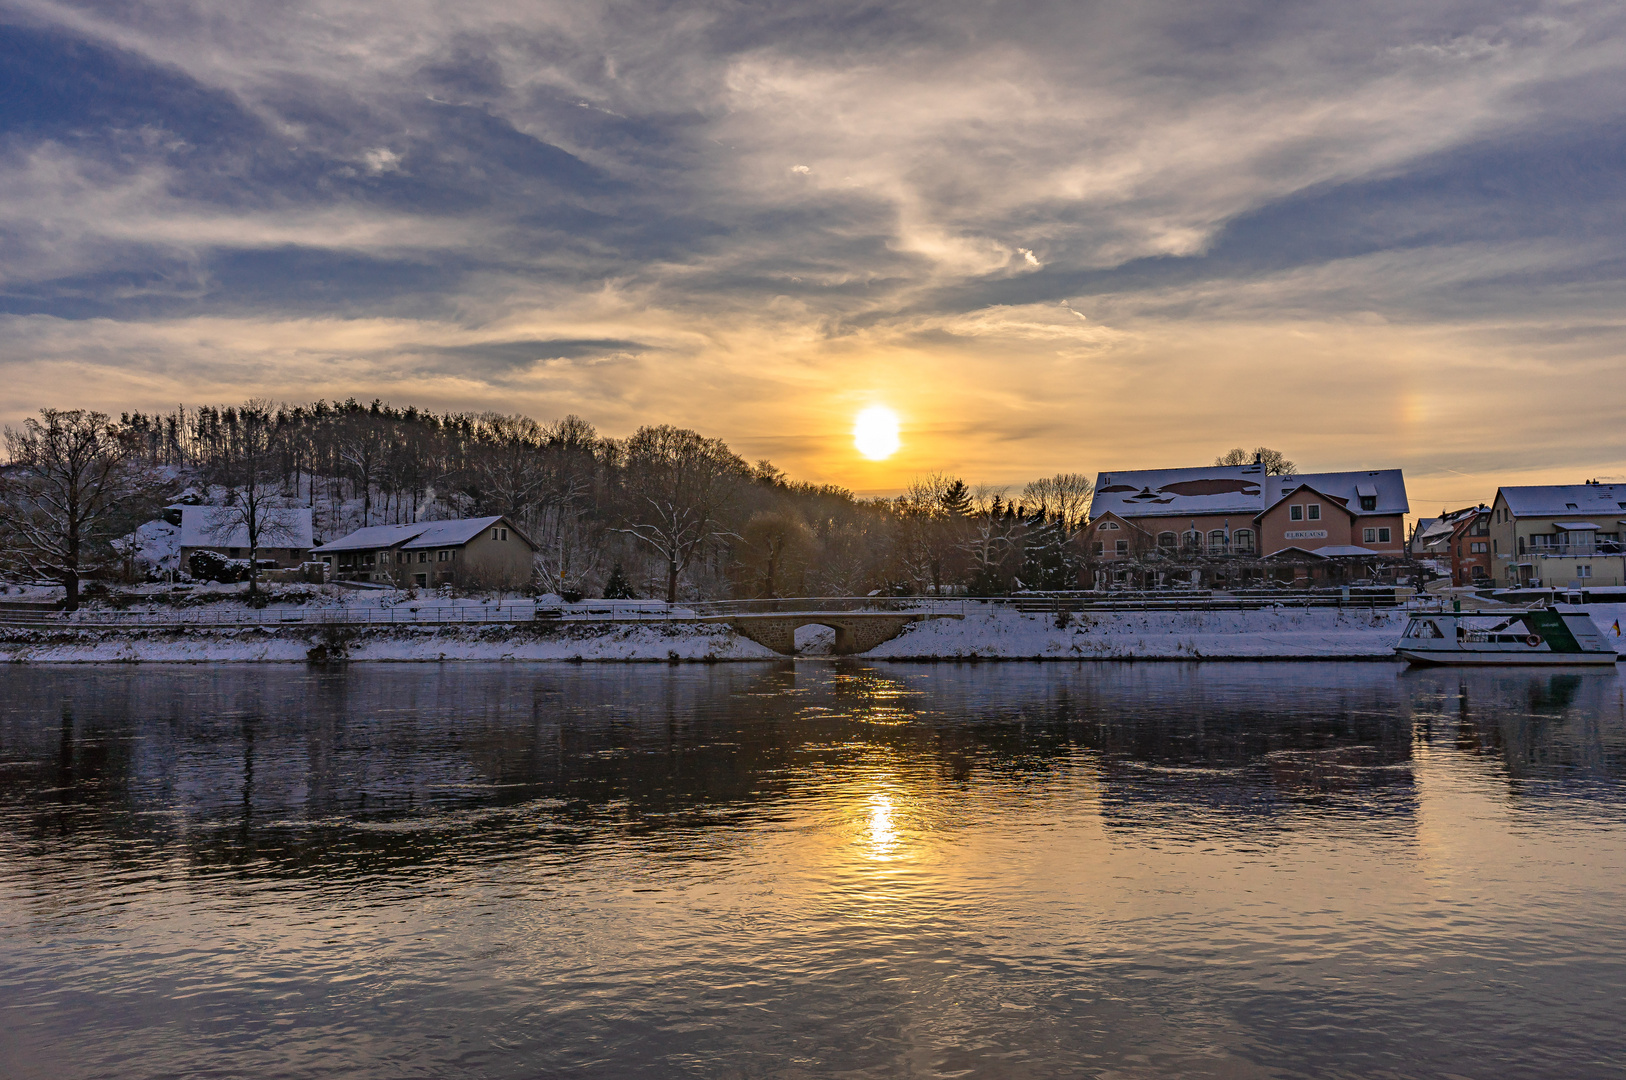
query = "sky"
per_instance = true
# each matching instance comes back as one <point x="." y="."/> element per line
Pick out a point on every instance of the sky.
<point x="1049" y="236"/>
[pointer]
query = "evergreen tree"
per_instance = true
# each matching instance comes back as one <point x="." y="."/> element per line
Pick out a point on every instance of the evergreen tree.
<point x="956" y="499"/>
<point x="618" y="587"/>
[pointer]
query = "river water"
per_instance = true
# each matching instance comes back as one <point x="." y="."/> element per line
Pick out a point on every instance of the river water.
<point x="811" y="869"/>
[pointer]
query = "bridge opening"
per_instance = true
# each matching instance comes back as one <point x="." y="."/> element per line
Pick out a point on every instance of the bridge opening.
<point x="815" y="640"/>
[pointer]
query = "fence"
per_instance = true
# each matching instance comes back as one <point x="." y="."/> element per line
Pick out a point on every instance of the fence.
<point x="611" y="611"/>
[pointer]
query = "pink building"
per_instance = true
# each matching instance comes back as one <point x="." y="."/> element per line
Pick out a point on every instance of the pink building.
<point x="1237" y="511"/>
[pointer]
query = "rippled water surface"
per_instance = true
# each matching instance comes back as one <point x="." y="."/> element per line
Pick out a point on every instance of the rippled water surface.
<point x="811" y="869"/>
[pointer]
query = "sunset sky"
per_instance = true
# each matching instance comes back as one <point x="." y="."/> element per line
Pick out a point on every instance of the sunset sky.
<point x="1062" y="236"/>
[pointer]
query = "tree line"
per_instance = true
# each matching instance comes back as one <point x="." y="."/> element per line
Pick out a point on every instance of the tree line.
<point x="665" y="512"/>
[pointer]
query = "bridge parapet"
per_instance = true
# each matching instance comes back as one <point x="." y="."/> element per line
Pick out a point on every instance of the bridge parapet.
<point x="856" y="631"/>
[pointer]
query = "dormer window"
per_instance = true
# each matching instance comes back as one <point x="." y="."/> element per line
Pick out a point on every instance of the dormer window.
<point x="1369" y="502"/>
<point x="1571" y="506"/>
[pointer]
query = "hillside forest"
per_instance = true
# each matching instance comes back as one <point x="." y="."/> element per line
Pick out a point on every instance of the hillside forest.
<point x="666" y="513"/>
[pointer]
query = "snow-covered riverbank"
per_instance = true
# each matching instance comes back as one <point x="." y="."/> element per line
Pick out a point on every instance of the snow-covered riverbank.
<point x="987" y="632"/>
<point x="1154" y="635"/>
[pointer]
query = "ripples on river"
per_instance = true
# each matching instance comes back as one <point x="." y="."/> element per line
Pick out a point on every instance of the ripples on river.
<point x="787" y="870"/>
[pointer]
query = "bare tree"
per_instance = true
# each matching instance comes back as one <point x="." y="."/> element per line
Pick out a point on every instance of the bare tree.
<point x="255" y="506"/>
<point x="993" y="534"/>
<point x="363" y="449"/>
<point x="570" y="548"/>
<point x="70" y="492"/>
<point x="932" y="522"/>
<point x="1066" y="495"/>
<point x="1273" y="461"/>
<point x="678" y="485"/>
<point x="775" y="546"/>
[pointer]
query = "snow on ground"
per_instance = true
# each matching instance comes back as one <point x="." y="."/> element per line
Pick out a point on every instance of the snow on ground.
<point x="1001" y="633"/>
<point x="154" y="547"/>
<point x="657" y="642"/>
<point x="987" y="632"/>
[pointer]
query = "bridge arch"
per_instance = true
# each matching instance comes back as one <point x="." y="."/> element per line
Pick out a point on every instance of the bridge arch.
<point x="856" y="632"/>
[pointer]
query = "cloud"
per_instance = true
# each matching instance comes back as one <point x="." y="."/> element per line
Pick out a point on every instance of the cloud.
<point x="422" y="196"/>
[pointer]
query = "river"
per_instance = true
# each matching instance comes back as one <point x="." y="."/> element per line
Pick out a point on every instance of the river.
<point x="811" y="869"/>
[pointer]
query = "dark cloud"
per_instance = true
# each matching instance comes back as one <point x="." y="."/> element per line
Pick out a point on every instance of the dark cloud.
<point x="744" y="185"/>
<point x="497" y="355"/>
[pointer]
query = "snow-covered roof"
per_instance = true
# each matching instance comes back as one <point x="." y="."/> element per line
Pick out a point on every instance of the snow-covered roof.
<point x="1335" y="551"/>
<point x="1558" y="500"/>
<point x="1389" y="486"/>
<point x="213" y="527"/>
<point x="1330" y="551"/>
<point x="1237" y="489"/>
<point x="1217" y="489"/>
<point x="419" y="534"/>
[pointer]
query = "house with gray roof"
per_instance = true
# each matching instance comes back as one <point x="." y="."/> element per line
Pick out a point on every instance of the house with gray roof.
<point x="286" y="533"/>
<point x="474" y="552"/>
<point x="1240" y="511"/>
<point x="1559" y="535"/>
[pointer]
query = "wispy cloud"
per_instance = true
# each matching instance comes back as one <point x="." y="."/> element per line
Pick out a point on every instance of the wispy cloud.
<point x="1057" y="222"/>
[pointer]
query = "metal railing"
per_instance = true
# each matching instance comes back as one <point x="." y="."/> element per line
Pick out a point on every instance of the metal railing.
<point x="420" y="614"/>
<point x="410" y="613"/>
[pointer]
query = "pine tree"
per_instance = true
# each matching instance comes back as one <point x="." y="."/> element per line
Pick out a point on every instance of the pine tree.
<point x="618" y="587"/>
<point x="956" y="499"/>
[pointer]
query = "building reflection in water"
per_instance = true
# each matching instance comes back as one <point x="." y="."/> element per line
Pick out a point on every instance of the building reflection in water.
<point x="865" y="869"/>
<point x="461" y="755"/>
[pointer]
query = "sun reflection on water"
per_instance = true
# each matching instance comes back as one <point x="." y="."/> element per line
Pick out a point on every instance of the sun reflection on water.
<point x="881" y="839"/>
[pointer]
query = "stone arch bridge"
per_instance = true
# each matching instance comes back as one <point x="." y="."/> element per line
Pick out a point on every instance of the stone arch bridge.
<point x="856" y="631"/>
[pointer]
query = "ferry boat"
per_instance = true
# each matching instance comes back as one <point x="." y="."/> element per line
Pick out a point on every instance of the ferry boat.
<point x="1547" y="637"/>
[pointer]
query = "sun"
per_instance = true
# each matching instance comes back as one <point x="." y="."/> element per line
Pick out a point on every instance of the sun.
<point x="875" y="433"/>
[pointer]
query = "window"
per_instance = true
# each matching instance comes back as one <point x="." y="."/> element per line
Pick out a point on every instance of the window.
<point x="1295" y="512"/>
<point x="1192" y="540"/>
<point x="1123" y="547"/>
<point x="1570" y="506"/>
<point x="1369" y="502"/>
<point x="423" y="556"/>
<point x="1583" y="571"/>
<point x="1107" y="526"/>
<point x="1369" y="536"/>
<point x="499" y="534"/>
<point x="440" y="556"/>
<point x="1478" y="548"/>
<point x="1383" y="536"/>
<point x="1315" y="511"/>
<point x="1242" y="540"/>
<point x="1167" y="541"/>
<point x="1216" y="542"/>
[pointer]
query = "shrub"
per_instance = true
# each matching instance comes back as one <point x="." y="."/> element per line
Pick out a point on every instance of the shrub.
<point x="210" y="566"/>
